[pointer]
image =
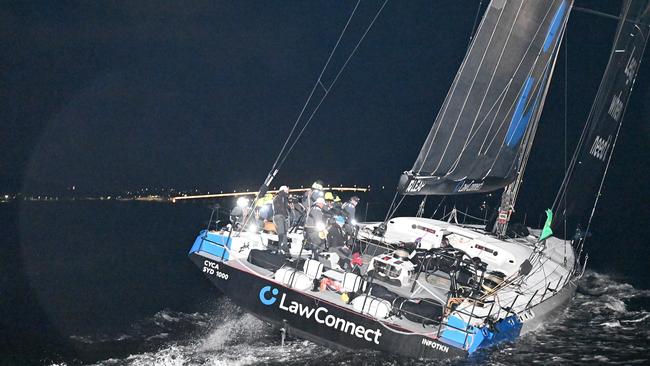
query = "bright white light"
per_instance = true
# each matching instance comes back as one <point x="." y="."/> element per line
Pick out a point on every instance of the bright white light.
<point x="252" y="228"/>
<point x="242" y="202"/>
<point x="320" y="226"/>
<point x="354" y="222"/>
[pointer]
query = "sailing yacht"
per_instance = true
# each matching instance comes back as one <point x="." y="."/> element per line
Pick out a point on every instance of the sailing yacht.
<point x="438" y="289"/>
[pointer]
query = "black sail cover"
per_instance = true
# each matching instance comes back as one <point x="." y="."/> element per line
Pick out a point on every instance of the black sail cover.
<point x="478" y="139"/>
<point x="576" y="200"/>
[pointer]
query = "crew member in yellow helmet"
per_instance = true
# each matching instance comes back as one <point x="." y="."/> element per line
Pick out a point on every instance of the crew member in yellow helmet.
<point x="265" y="208"/>
<point x="329" y="197"/>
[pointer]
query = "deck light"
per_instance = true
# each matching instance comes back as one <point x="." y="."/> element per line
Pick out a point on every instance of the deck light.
<point x="242" y="202"/>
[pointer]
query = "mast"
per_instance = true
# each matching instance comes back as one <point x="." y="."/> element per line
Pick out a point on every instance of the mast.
<point x="511" y="191"/>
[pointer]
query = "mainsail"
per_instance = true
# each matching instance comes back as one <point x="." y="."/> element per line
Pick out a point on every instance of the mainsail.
<point x="478" y="139"/>
<point x="583" y="181"/>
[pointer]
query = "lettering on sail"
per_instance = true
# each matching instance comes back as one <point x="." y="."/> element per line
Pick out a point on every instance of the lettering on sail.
<point x="630" y="68"/>
<point x="616" y="107"/>
<point x="415" y="186"/>
<point x="600" y="147"/>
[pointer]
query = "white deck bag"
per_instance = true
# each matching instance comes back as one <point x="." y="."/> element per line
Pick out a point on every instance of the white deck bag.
<point x="353" y="283"/>
<point x="313" y="268"/>
<point x="372" y="306"/>
<point x="294" y="279"/>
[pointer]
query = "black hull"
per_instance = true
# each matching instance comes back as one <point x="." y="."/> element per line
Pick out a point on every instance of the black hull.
<point x="351" y="331"/>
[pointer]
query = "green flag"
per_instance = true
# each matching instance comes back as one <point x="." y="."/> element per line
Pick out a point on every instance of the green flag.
<point x="546" y="231"/>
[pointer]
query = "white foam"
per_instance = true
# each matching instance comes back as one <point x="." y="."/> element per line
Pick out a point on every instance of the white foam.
<point x="646" y="316"/>
<point x="614" y="303"/>
<point x="247" y="328"/>
<point x="612" y="324"/>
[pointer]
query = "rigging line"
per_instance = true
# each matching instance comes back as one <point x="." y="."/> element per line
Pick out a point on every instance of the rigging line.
<point x="500" y="100"/>
<point x="391" y="206"/>
<point x="437" y="208"/>
<point x="397" y="206"/>
<point x="470" y="136"/>
<point x="522" y="160"/>
<point x="474" y="132"/>
<point x="566" y="106"/>
<point x="478" y="69"/>
<point x="543" y="268"/>
<point x="538" y="113"/>
<point x="447" y="101"/>
<point x="599" y="96"/>
<point x="503" y="121"/>
<point x="276" y="166"/>
<point x="487" y="89"/>
<point x="318" y="81"/>
<point x="599" y="13"/>
<point x="322" y="86"/>
<point x="606" y="15"/>
<point x="520" y="90"/>
<point x="472" y="216"/>
<point x="332" y="84"/>
<point x="478" y="12"/>
<point x="550" y="61"/>
<point x="618" y="130"/>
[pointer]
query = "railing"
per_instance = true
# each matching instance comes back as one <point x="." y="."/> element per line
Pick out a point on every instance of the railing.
<point x="205" y="238"/>
<point x="470" y="316"/>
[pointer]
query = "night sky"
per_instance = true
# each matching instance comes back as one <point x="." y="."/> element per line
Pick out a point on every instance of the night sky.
<point x="114" y="96"/>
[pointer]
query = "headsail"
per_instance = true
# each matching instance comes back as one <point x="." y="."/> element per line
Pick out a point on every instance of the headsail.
<point x="491" y="111"/>
<point x="575" y="202"/>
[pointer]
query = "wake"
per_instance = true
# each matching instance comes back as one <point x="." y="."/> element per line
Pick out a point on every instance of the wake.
<point x="607" y="322"/>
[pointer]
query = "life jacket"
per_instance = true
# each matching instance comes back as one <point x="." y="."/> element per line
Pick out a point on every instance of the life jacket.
<point x="330" y="284"/>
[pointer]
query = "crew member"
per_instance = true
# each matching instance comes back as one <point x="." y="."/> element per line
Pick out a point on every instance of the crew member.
<point x="306" y="199"/>
<point x="264" y="207"/>
<point x="311" y="194"/>
<point x="281" y="218"/>
<point x="239" y="212"/>
<point x="315" y="227"/>
<point x="329" y="198"/>
<point x="349" y="209"/>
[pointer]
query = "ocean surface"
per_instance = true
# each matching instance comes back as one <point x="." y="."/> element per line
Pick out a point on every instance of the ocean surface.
<point x="109" y="283"/>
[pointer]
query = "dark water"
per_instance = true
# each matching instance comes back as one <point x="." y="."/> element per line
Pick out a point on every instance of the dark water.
<point x="109" y="283"/>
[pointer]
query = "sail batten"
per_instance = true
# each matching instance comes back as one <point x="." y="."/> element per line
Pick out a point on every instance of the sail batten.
<point x="475" y="144"/>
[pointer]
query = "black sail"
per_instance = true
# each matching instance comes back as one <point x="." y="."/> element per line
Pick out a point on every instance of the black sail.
<point x="578" y="194"/>
<point x="478" y="139"/>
